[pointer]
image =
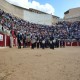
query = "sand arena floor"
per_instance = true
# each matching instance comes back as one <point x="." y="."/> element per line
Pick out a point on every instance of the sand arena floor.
<point x="39" y="64"/>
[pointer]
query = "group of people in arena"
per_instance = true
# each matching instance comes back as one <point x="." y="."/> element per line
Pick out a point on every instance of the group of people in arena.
<point x="37" y="34"/>
<point x="39" y="41"/>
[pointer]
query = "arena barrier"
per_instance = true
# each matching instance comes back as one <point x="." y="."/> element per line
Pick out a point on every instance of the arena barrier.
<point x="5" y="40"/>
<point x="79" y="43"/>
<point x="2" y="39"/>
<point x="75" y="43"/>
<point x="68" y="43"/>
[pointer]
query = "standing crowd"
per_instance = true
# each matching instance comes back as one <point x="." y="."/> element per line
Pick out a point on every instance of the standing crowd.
<point x="39" y="41"/>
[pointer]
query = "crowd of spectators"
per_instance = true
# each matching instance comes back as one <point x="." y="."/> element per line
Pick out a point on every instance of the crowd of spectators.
<point x="61" y="30"/>
<point x="68" y="30"/>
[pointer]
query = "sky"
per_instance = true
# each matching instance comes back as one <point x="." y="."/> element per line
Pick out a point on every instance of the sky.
<point x="55" y="7"/>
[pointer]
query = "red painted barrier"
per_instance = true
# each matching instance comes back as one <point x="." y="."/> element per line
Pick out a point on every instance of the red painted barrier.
<point x="7" y="40"/>
<point x="2" y="42"/>
<point x="74" y="43"/>
<point x="79" y="43"/>
<point x="68" y="43"/>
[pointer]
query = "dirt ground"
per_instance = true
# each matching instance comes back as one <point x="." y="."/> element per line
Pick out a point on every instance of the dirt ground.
<point x="39" y="64"/>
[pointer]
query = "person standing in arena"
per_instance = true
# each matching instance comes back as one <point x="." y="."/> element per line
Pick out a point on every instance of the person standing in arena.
<point x="43" y="41"/>
<point x="51" y="42"/>
<point x="37" y="42"/>
<point x="57" y="43"/>
<point x="40" y="41"/>
<point x="24" y="39"/>
<point x="28" y="39"/>
<point x="19" y="38"/>
<point x="33" y="40"/>
<point x="62" y="43"/>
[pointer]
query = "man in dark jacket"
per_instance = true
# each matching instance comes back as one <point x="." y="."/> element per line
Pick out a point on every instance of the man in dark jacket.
<point x="19" y="38"/>
<point x="24" y="40"/>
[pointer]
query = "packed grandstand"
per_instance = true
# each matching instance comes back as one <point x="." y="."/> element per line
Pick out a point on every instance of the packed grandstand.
<point x="62" y="30"/>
